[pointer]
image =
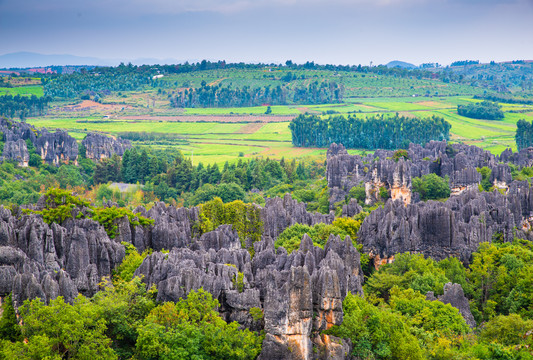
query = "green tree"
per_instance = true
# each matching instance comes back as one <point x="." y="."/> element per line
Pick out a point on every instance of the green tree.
<point x="193" y="329"/>
<point x="61" y="331"/>
<point x="124" y="305"/>
<point x="376" y="333"/>
<point x="9" y="327"/>
<point x="431" y="186"/>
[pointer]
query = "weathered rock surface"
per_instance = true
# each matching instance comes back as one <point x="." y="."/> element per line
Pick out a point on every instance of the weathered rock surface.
<point x="454" y="295"/>
<point x="454" y="228"/>
<point x="289" y="289"/>
<point x="456" y="161"/>
<point x="17" y="151"/>
<point x="54" y="148"/>
<point x="278" y="214"/>
<point x="57" y="148"/>
<point x="38" y="260"/>
<point x="99" y="147"/>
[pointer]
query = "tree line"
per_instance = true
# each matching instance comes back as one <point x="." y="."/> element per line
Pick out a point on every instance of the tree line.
<point x="487" y="110"/>
<point x="377" y="132"/>
<point x="217" y="96"/>
<point x="23" y="106"/>
<point x="99" y="81"/>
<point x="171" y="177"/>
<point x="504" y="99"/>
<point x="524" y="134"/>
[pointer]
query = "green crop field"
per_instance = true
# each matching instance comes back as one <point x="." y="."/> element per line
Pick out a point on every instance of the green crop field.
<point x="212" y="137"/>
<point x="23" y="90"/>
<point x="227" y="134"/>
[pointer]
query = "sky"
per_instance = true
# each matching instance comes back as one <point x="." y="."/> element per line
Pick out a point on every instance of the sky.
<point x="272" y="31"/>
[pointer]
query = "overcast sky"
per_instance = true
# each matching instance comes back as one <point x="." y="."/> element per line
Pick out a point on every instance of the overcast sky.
<point x="324" y="31"/>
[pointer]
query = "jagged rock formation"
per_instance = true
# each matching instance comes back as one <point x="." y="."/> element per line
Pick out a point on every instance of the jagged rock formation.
<point x="54" y="148"/>
<point x="454" y="228"/>
<point x="38" y="260"/>
<point x="289" y="289"/>
<point x="454" y="295"/>
<point x="456" y="161"/>
<point x="522" y="158"/>
<point x="99" y="147"/>
<point x="57" y="148"/>
<point x="351" y="209"/>
<point x="278" y="214"/>
<point x="17" y="151"/>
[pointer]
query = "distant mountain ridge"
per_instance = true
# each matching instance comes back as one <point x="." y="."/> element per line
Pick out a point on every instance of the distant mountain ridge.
<point x="24" y="59"/>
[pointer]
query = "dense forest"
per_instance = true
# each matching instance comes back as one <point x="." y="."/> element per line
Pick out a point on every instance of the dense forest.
<point x="484" y="110"/>
<point x="100" y="80"/>
<point x="23" y="106"/>
<point x="177" y="178"/>
<point x="367" y="133"/>
<point x="524" y="134"/>
<point x="218" y="96"/>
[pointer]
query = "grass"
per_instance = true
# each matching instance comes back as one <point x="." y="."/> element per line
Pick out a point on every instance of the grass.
<point x="218" y="142"/>
<point x="23" y="91"/>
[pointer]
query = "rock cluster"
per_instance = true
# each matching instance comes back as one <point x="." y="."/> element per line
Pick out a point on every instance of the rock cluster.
<point x="300" y="294"/>
<point x="15" y="135"/>
<point x="99" y="147"/>
<point x="278" y="214"/>
<point x="38" y="260"/>
<point x="453" y="228"/>
<point x="17" y="151"/>
<point x="456" y="161"/>
<point x="57" y="148"/>
<point x="54" y="148"/>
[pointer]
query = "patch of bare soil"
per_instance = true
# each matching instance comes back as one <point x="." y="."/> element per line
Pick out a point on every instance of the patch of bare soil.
<point x="249" y="128"/>
<point x="211" y="118"/>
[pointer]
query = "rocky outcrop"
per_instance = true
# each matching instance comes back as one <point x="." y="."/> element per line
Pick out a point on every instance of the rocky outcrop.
<point x="99" y="147"/>
<point x="454" y="295"/>
<point x="351" y="209"/>
<point x="523" y="158"/>
<point x="57" y="148"/>
<point x="38" y="260"/>
<point x="300" y="294"/>
<point x="454" y="228"/>
<point x="54" y="148"/>
<point x="16" y="151"/>
<point x="458" y="162"/>
<point x="278" y="214"/>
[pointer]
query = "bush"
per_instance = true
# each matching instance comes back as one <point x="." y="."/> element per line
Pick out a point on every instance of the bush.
<point x="358" y="193"/>
<point x="506" y="330"/>
<point x="484" y="110"/>
<point x="292" y="236"/>
<point x="192" y="329"/>
<point x="431" y="187"/>
<point x="376" y="333"/>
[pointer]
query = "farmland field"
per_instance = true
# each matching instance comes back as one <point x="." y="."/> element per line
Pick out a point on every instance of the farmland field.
<point x="214" y="135"/>
<point x="219" y="134"/>
<point x="22" y="90"/>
